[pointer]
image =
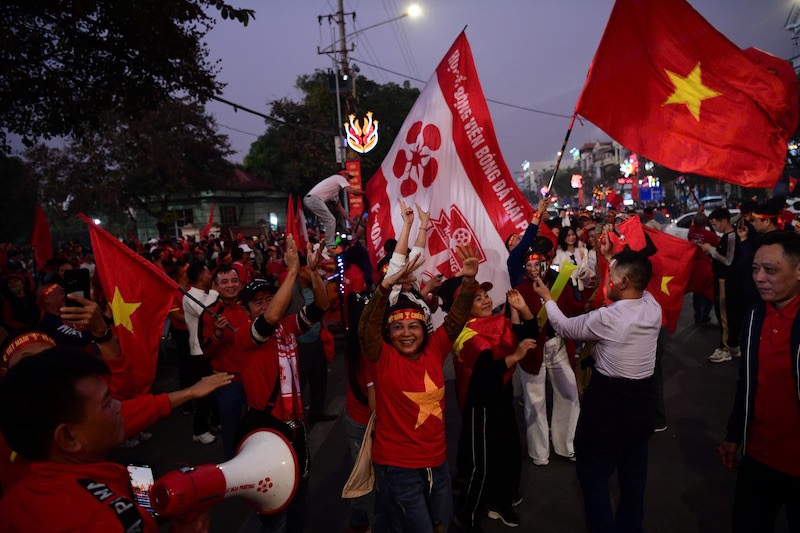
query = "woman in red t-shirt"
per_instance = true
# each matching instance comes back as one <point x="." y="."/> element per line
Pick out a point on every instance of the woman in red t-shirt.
<point x="414" y="491"/>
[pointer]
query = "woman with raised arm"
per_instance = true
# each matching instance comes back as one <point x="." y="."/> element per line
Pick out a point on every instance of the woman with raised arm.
<point x="411" y="469"/>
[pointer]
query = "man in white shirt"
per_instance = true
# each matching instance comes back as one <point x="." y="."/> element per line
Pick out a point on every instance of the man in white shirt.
<point x="200" y="279"/>
<point x="618" y="408"/>
<point x="327" y="190"/>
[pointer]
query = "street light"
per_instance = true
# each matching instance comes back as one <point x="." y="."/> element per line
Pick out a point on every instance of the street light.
<point x="340" y="47"/>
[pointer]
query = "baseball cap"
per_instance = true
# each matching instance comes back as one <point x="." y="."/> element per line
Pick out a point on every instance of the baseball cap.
<point x="254" y="287"/>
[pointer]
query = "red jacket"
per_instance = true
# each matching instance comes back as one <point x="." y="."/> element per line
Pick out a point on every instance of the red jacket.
<point x="67" y="497"/>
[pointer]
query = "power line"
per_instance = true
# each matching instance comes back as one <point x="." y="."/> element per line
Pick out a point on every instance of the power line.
<point x="532" y="110"/>
<point x="239" y="131"/>
<point x="237" y="107"/>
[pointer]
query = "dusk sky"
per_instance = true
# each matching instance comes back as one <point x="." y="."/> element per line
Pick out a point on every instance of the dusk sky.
<point x="529" y="53"/>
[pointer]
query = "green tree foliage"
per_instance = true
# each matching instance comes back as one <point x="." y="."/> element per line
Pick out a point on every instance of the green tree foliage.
<point x="294" y="156"/>
<point x="18" y="201"/>
<point x="118" y="166"/>
<point x="65" y="65"/>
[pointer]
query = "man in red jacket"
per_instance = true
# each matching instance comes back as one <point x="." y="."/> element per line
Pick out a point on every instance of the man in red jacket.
<point x="59" y="415"/>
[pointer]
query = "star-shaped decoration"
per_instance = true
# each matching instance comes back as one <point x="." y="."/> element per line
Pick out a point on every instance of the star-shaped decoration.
<point x="665" y="284"/>
<point x="429" y="401"/>
<point x="689" y="91"/>
<point x="123" y="310"/>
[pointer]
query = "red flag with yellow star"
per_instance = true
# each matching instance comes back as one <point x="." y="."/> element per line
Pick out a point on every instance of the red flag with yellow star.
<point x="667" y="85"/>
<point x="671" y="265"/>
<point x="139" y="295"/>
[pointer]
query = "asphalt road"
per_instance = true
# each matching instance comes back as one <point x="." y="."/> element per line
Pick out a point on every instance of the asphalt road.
<point x="687" y="488"/>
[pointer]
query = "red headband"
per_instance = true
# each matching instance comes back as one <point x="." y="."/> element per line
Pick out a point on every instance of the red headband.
<point x="49" y="289"/>
<point x="536" y="256"/>
<point x="764" y="216"/>
<point x="405" y="314"/>
<point x="33" y="337"/>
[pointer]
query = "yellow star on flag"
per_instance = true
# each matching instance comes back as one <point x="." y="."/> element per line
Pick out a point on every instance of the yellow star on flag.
<point x="690" y="91"/>
<point x="664" y="284"/>
<point x="429" y="401"/>
<point x="123" y="310"/>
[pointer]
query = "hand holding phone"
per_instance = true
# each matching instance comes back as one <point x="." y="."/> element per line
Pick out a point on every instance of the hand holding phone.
<point x="76" y="280"/>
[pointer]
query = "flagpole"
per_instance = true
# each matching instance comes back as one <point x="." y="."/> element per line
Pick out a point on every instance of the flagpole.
<point x="206" y="309"/>
<point x="561" y="152"/>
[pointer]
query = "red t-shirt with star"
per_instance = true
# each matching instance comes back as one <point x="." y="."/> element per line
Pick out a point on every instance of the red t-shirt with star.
<point x="409" y="396"/>
<point x="261" y="371"/>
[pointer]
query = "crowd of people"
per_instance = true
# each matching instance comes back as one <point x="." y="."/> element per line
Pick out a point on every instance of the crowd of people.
<point x="252" y="326"/>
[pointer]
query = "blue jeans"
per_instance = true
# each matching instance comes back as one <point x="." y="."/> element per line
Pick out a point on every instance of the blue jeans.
<point x="415" y="500"/>
<point x="230" y="399"/>
<point x="362" y="509"/>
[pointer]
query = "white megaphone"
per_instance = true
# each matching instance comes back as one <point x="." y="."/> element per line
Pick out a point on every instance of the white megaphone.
<point x="264" y="473"/>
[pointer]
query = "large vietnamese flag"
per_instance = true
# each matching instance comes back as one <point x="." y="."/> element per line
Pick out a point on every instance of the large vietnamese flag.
<point x="446" y="159"/>
<point x="140" y="296"/>
<point x="667" y="85"/>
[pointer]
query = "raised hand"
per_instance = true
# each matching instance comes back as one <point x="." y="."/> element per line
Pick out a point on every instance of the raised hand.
<point x="406" y="212"/>
<point x="405" y="274"/>
<point x="87" y="317"/>
<point x="516" y="300"/>
<point x="424" y="216"/>
<point x="313" y="257"/>
<point x="469" y="261"/>
<point x="290" y="256"/>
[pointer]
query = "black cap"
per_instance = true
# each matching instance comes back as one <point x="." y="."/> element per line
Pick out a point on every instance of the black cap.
<point x="254" y="287"/>
<point x="771" y="208"/>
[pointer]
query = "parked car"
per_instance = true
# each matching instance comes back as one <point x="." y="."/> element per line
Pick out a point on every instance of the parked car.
<point x="680" y="226"/>
<point x="712" y="202"/>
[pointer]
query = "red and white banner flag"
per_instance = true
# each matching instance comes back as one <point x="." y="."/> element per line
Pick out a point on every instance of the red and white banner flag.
<point x="446" y="159"/>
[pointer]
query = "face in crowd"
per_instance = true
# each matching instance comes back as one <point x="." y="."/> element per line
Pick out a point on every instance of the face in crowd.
<point x="776" y="275"/>
<point x="407" y="335"/>
<point x="481" y="304"/>
<point x="259" y="303"/>
<point x="228" y="285"/>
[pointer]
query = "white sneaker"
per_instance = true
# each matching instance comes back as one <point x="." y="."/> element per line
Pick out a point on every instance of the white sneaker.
<point x="735" y="351"/>
<point x="205" y="438"/>
<point x="719" y="356"/>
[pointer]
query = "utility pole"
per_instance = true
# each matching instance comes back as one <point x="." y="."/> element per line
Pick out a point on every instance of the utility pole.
<point x="345" y="65"/>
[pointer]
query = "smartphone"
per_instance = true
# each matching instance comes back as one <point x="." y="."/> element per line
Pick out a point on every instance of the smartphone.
<point x="76" y="280"/>
<point x="142" y="480"/>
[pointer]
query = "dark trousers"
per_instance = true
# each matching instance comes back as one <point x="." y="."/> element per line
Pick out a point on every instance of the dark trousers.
<point x="314" y="371"/>
<point x="207" y="412"/>
<point x="594" y="471"/>
<point x="185" y="374"/>
<point x="702" y="308"/>
<point x="489" y="459"/>
<point x="615" y="424"/>
<point x="761" y="491"/>
<point x="728" y="307"/>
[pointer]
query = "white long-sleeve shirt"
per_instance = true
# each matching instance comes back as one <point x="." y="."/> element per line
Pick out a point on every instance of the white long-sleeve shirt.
<point x="192" y="312"/>
<point x="626" y="333"/>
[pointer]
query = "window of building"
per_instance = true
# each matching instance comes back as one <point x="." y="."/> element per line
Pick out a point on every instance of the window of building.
<point x="185" y="216"/>
<point x="228" y="215"/>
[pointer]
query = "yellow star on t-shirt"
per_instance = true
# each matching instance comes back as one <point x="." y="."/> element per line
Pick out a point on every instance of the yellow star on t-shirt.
<point x="429" y="401"/>
<point x="664" y="284"/>
<point x="123" y="310"/>
<point x="690" y="91"/>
